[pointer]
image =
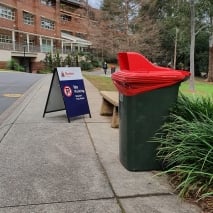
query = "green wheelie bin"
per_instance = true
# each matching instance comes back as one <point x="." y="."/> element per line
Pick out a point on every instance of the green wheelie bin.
<point x="144" y="103"/>
<point x="141" y="116"/>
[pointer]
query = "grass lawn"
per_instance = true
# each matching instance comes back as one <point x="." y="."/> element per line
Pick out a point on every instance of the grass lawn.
<point x="101" y="82"/>
<point x="202" y="88"/>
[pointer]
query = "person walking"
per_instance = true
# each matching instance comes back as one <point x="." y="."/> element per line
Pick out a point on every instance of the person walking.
<point x="105" y="67"/>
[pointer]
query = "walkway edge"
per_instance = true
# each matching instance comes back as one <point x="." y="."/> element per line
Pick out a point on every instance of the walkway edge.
<point x="10" y="115"/>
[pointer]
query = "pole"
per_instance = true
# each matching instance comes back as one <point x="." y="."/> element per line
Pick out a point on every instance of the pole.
<point x="25" y="60"/>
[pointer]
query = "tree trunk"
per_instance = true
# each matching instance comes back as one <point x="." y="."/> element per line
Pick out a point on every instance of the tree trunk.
<point x="192" y="46"/>
<point x="210" y="73"/>
<point x="175" y="49"/>
<point x="126" y="15"/>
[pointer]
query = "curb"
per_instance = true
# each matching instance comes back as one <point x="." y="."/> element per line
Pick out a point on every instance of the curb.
<point x="11" y="114"/>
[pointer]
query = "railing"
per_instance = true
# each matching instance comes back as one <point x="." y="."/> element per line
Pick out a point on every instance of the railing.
<point x="6" y="46"/>
<point x="34" y="49"/>
<point x="69" y="8"/>
<point x="74" y="1"/>
<point x="20" y="47"/>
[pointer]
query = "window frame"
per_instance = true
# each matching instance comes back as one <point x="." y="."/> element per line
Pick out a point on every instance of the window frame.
<point x="28" y="18"/>
<point x="47" y="24"/>
<point x="7" y="13"/>
<point x="5" y="38"/>
<point x="65" y="18"/>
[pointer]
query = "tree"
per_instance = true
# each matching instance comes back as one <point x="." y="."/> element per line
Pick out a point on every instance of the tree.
<point x="204" y="14"/>
<point x="210" y="71"/>
<point x="192" y="46"/>
<point x="159" y="29"/>
<point x="171" y="17"/>
<point x="121" y="17"/>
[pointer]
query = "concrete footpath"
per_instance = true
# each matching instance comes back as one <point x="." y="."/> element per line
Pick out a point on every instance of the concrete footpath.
<point x="52" y="166"/>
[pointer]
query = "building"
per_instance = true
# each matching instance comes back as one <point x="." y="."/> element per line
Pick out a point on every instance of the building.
<point x="31" y="28"/>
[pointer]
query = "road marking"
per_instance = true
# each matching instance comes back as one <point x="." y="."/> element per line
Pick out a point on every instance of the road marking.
<point x="12" y="95"/>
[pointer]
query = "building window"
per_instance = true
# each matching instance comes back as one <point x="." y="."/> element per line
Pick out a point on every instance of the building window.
<point x="31" y="42"/>
<point x="5" y="38"/>
<point x="46" y="45"/>
<point x="80" y="35"/>
<point x="28" y="18"/>
<point x="65" y="17"/>
<point x="48" y="2"/>
<point x="67" y="33"/>
<point x="7" y="13"/>
<point x="47" y="24"/>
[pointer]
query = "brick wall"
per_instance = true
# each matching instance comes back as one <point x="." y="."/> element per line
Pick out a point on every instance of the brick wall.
<point x="37" y="66"/>
<point x="3" y="64"/>
<point x="78" y="24"/>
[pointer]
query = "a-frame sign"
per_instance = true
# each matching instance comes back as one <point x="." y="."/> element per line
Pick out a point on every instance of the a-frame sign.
<point x="67" y="92"/>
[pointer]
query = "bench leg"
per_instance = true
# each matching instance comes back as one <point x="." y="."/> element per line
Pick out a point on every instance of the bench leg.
<point x="115" y="118"/>
<point x="106" y="108"/>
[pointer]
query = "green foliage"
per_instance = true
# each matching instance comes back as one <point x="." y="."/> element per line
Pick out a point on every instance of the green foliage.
<point x="68" y="60"/>
<point x="52" y="61"/>
<point x="44" y="71"/>
<point x="57" y="60"/>
<point x="173" y="18"/>
<point x="86" y="65"/>
<point x="193" y="108"/>
<point x="49" y="61"/>
<point x="87" y="61"/>
<point x="95" y="63"/>
<point x="165" y="26"/>
<point x="11" y="64"/>
<point x="186" y="146"/>
<point x="202" y="53"/>
<point x="14" y="65"/>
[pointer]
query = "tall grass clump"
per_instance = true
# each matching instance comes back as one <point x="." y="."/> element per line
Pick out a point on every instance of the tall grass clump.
<point x="186" y="146"/>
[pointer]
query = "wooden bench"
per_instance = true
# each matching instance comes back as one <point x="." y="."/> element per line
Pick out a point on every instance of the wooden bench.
<point x="109" y="106"/>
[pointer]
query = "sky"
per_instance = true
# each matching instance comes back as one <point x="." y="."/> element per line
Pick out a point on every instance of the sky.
<point x="94" y="3"/>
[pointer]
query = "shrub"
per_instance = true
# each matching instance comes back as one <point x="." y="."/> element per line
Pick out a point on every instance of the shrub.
<point x="87" y="61"/>
<point x="86" y="65"/>
<point x="44" y="71"/>
<point x="14" y="65"/>
<point x="193" y="108"/>
<point x="11" y="64"/>
<point x="186" y="146"/>
<point x="96" y="63"/>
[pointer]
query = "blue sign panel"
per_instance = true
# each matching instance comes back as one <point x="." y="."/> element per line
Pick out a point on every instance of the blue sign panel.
<point x="73" y="91"/>
<point x="75" y="98"/>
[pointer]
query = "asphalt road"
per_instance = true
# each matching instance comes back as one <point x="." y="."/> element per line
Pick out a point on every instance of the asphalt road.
<point x="13" y="85"/>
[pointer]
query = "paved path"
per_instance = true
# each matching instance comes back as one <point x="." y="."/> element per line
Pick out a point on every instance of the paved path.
<point x="99" y="72"/>
<point x="48" y="165"/>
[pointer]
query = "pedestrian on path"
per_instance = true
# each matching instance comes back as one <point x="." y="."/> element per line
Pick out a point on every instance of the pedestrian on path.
<point x="105" y="67"/>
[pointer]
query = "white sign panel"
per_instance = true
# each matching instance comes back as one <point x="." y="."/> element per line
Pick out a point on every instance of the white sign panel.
<point x="67" y="73"/>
